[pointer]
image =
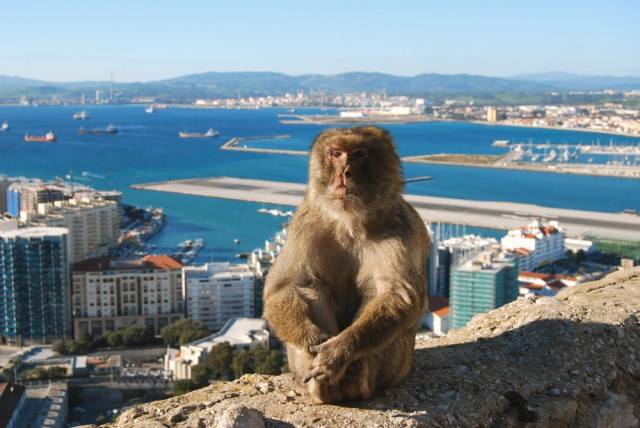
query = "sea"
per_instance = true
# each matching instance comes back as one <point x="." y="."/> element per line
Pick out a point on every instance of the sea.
<point x="147" y="148"/>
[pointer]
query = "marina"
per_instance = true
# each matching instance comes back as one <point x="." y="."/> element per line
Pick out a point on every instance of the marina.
<point x="496" y="215"/>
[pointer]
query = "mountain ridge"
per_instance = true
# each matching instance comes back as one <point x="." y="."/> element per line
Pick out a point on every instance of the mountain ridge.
<point x="233" y="84"/>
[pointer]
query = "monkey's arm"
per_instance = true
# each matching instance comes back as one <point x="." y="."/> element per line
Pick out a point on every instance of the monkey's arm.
<point x="394" y="310"/>
<point x="287" y="310"/>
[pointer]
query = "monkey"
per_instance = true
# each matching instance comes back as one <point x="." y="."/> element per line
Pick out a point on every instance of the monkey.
<point x="349" y="287"/>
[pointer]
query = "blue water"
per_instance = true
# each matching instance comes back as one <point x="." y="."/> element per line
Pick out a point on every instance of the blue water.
<point x="147" y="148"/>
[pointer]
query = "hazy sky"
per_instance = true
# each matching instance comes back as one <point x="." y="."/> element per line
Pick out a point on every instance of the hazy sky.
<point x="145" y="40"/>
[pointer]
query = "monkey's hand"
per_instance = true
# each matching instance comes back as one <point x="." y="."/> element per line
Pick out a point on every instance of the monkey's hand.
<point x="331" y="361"/>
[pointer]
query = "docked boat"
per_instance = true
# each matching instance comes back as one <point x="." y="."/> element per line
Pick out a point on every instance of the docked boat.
<point x="49" y="137"/>
<point x="211" y="133"/>
<point x="5" y="126"/>
<point x="81" y="115"/>
<point x="108" y="130"/>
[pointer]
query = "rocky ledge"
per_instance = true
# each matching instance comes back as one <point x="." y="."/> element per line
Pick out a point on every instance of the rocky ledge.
<point x="568" y="361"/>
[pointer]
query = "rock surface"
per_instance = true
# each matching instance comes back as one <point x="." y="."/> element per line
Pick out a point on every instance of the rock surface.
<point x="572" y="360"/>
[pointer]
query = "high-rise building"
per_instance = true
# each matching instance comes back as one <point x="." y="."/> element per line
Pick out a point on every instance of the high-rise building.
<point x="27" y="195"/>
<point x="448" y="253"/>
<point x="109" y="295"/>
<point x="93" y="223"/>
<point x="34" y="285"/>
<point x="216" y="292"/>
<point x="481" y="285"/>
<point x="535" y="244"/>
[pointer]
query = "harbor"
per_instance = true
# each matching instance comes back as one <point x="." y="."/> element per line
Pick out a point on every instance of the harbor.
<point x="488" y="214"/>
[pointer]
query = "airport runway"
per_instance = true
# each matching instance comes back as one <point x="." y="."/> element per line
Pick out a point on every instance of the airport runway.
<point x="496" y="215"/>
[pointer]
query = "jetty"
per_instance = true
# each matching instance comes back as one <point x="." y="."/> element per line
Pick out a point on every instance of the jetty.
<point x="489" y="214"/>
<point x="234" y="144"/>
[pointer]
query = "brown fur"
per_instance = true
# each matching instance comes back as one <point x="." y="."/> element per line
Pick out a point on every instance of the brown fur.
<point x="349" y="287"/>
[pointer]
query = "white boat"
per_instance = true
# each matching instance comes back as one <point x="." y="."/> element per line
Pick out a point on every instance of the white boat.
<point x="5" y="126"/>
<point x="150" y="109"/>
<point x="81" y="115"/>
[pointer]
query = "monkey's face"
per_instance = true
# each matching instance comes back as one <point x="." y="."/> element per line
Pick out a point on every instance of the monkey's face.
<point x="354" y="165"/>
<point x="348" y="169"/>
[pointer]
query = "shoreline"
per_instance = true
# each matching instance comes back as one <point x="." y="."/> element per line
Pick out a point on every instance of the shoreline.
<point x="616" y="171"/>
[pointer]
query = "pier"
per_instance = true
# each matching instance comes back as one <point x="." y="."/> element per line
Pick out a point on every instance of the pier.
<point x="489" y="214"/>
<point x="233" y="144"/>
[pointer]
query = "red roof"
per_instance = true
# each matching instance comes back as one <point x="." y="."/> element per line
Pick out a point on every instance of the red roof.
<point x="98" y="264"/>
<point x="439" y="305"/>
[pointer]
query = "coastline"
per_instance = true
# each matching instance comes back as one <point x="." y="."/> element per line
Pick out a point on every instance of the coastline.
<point x="399" y="120"/>
<point x="617" y="171"/>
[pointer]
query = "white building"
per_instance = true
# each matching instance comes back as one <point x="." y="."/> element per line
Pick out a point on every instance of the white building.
<point x="535" y="244"/>
<point x="216" y="292"/>
<point x="93" y="223"/>
<point x="241" y="333"/>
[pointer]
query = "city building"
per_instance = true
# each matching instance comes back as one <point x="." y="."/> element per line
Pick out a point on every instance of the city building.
<point x="536" y="244"/>
<point x="25" y="195"/>
<point x="109" y="295"/>
<point x="216" y="292"/>
<point x="12" y="399"/>
<point x="448" y="253"/>
<point x="34" y="285"/>
<point x="93" y="223"/>
<point x="438" y="316"/>
<point x="481" y="285"/>
<point x="542" y="284"/>
<point x="241" y="333"/>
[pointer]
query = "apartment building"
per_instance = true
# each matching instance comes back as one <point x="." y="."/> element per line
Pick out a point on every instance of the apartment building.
<point x="109" y="295"/>
<point x="481" y="285"/>
<point x="535" y="244"/>
<point x="34" y="285"/>
<point x="216" y="292"/>
<point x="93" y="223"/>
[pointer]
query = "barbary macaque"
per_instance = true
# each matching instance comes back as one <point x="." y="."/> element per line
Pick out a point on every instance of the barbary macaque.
<point x="349" y="288"/>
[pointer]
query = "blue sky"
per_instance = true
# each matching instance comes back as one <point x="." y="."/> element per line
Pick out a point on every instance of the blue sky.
<point x="143" y="40"/>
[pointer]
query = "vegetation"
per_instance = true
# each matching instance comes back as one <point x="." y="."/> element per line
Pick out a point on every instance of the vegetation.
<point x="42" y="373"/>
<point x="182" y="332"/>
<point x="135" y="335"/>
<point x="618" y="248"/>
<point x="225" y="362"/>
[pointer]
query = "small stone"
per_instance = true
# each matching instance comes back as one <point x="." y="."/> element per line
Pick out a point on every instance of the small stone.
<point x="239" y="416"/>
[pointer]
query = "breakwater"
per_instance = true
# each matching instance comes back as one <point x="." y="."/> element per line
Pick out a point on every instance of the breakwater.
<point x="234" y="144"/>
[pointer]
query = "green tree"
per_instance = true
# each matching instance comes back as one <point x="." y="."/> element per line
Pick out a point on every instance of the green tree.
<point x="268" y="362"/>
<point x="55" y="372"/>
<point x="114" y="339"/>
<point x="199" y="376"/>
<point x="183" y="331"/>
<point x="242" y="363"/>
<point x="181" y="387"/>
<point x="219" y="360"/>
<point x="137" y="335"/>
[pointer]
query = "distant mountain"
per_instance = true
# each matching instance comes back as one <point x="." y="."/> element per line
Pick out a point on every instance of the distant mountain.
<point x="569" y="81"/>
<point x="220" y="85"/>
<point x="261" y="83"/>
<point x="11" y="81"/>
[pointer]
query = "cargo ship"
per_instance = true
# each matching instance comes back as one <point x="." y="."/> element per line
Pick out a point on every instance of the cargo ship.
<point x="211" y="133"/>
<point x="108" y="130"/>
<point x="49" y="137"/>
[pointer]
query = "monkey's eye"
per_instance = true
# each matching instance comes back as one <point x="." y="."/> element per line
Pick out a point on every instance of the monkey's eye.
<point x="359" y="153"/>
<point x="334" y="153"/>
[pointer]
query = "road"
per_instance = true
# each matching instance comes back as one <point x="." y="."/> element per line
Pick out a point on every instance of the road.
<point x="489" y="214"/>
